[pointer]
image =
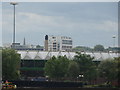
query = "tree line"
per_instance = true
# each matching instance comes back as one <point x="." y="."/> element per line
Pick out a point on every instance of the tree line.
<point x="80" y="67"/>
<point x="96" y="48"/>
<point x="60" y="68"/>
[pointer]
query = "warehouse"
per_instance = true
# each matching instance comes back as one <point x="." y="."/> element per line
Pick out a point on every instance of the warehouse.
<point x="33" y="62"/>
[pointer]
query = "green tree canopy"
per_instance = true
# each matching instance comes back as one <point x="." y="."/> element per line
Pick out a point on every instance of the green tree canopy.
<point x="56" y="67"/>
<point x="38" y="46"/>
<point x="86" y="65"/>
<point x="99" y="48"/>
<point x="10" y="64"/>
<point x="117" y="60"/>
<point x="82" y="48"/>
<point x="73" y="70"/>
<point x="108" y="69"/>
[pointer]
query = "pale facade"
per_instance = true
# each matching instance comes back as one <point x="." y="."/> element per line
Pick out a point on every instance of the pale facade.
<point x="58" y="43"/>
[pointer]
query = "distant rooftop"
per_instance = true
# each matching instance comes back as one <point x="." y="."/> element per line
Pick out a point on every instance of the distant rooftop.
<point x="43" y="55"/>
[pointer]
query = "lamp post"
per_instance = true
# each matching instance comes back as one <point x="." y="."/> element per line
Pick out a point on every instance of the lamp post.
<point x="114" y="40"/>
<point x="13" y="3"/>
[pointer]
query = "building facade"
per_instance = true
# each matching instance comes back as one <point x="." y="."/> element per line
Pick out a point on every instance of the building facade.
<point x="18" y="46"/>
<point x="33" y="62"/>
<point x="58" y="43"/>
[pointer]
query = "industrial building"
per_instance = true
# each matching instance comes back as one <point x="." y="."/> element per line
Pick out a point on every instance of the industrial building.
<point x="33" y="62"/>
<point x="58" y="43"/>
<point x="44" y="55"/>
<point x="18" y="46"/>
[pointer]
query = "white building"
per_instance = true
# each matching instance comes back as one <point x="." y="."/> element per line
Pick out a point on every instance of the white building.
<point x="58" y="43"/>
<point x="44" y="55"/>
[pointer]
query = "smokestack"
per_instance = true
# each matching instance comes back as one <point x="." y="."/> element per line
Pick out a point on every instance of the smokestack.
<point x="24" y="43"/>
<point x="46" y="43"/>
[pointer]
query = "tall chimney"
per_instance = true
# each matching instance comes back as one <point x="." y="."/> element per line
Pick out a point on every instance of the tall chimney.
<point x="46" y="43"/>
<point x="24" y="43"/>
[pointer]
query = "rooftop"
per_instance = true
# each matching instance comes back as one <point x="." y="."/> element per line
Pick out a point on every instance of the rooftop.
<point x="44" y="55"/>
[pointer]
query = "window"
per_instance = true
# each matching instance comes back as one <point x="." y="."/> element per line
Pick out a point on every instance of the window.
<point x="67" y="42"/>
<point x="54" y="43"/>
<point x="53" y="37"/>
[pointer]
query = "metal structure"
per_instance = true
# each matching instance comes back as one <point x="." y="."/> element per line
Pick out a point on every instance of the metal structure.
<point x="114" y="40"/>
<point x="43" y="55"/>
<point x="13" y="3"/>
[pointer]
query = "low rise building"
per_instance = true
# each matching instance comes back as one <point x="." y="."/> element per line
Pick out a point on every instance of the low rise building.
<point x="18" y="46"/>
<point x="58" y="43"/>
<point x="33" y="62"/>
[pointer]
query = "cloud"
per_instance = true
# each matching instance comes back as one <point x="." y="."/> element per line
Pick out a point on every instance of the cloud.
<point x="78" y="20"/>
<point x="33" y="22"/>
<point x="106" y="25"/>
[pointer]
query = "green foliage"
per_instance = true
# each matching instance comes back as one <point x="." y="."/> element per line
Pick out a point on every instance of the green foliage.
<point x="73" y="69"/>
<point x="61" y="67"/>
<point x="108" y="69"/>
<point x="86" y="65"/>
<point x="117" y="60"/>
<point x="56" y="67"/>
<point x="10" y="64"/>
<point x="82" y="48"/>
<point x="32" y="69"/>
<point x="99" y="48"/>
<point x="38" y="46"/>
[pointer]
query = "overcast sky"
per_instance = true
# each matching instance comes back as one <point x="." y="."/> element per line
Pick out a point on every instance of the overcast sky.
<point x="87" y="23"/>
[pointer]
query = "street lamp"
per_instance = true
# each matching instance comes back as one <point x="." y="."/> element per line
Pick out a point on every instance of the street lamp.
<point x="114" y="40"/>
<point x="14" y="3"/>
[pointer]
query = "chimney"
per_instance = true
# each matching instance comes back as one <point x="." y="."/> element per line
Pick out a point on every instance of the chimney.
<point x="24" y="41"/>
<point x="46" y="43"/>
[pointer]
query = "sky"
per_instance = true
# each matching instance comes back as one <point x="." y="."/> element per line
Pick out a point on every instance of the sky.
<point x="87" y="23"/>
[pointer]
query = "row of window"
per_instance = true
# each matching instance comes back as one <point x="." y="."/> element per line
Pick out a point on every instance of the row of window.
<point x="66" y="37"/>
<point x="62" y="37"/>
<point x="32" y="63"/>
<point x="66" y="47"/>
<point x="67" y="42"/>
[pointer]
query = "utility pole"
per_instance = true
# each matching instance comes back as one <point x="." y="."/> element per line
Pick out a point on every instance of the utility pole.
<point x="114" y="40"/>
<point x="13" y="3"/>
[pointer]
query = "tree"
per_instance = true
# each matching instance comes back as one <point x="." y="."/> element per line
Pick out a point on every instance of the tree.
<point x="117" y="60"/>
<point x="56" y="67"/>
<point x="38" y="46"/>
<point x="10" y="64"/>
<point x="73" y="70"/>
<point x="82" y="48"/>
<point x="108" y="69"/>
<point x="99" y="48"/>
<point x="86" y="65"/>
